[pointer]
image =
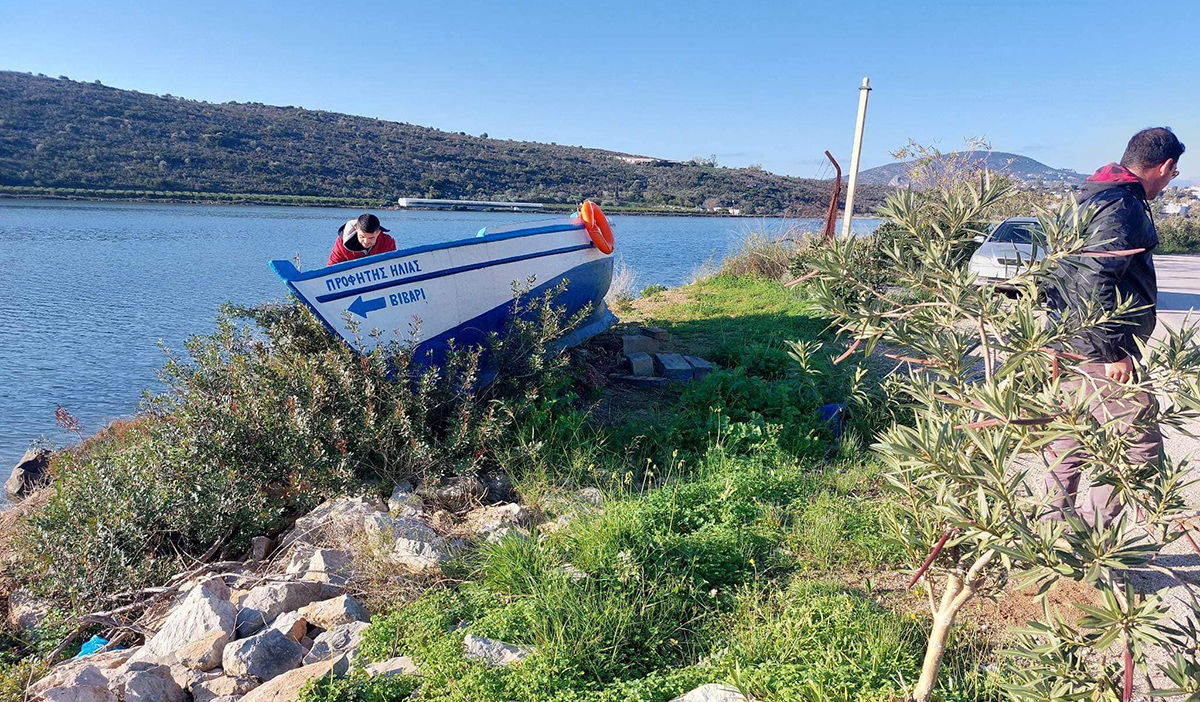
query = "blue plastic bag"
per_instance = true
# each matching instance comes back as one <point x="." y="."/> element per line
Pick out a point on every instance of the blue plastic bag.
<point x="93" y="645"/>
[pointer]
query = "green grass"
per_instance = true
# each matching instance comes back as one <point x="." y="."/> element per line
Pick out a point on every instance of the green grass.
<point x="728" y="311"/>
<point x="691" y="582"/>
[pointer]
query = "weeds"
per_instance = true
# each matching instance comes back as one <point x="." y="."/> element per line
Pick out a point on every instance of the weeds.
<point x="763" y="257"/>
<point x="620" y="295"/>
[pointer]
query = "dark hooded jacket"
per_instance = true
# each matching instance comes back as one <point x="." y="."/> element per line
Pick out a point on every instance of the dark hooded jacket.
<point x="1122" y="222"/>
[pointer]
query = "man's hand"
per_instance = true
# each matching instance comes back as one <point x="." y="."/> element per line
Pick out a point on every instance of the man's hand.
<point x="1121" y="371"/>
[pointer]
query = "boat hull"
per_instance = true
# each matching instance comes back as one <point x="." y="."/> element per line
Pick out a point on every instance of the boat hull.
<point x="459" y="292"/>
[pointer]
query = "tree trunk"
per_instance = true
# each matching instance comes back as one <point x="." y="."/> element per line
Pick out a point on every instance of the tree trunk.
<point x="942" y="621"/>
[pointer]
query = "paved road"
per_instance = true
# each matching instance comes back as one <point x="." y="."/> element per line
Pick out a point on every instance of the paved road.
<point x="1178" y="296"/>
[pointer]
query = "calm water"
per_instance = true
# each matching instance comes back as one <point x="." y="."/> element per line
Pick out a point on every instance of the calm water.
<point x="87" y="290"/>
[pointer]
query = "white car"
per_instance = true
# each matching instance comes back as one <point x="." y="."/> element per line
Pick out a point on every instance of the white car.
<point x="1007" y="249"/>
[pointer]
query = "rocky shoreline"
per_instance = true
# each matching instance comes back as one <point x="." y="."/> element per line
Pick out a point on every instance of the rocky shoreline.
<point x="258" y="629"/>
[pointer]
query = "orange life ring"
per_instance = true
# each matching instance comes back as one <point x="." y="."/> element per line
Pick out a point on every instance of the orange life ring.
<point x="597" y="226"/>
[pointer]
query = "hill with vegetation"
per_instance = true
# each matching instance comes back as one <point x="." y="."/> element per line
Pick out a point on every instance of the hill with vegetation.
<point x="1021" y="168"/>
<point x="82" y="139"/>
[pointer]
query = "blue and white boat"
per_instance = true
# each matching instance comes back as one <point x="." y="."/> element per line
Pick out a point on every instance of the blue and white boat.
<point x="463" y="290"/>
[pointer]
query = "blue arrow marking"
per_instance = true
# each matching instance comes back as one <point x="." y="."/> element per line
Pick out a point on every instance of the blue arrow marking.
<point x="363" y="307"/>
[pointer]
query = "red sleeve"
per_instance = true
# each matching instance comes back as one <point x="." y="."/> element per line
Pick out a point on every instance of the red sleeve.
<point x="338" y="253"/>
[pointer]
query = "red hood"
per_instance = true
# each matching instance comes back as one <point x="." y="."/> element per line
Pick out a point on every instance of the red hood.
<point x="1113" y="173"/>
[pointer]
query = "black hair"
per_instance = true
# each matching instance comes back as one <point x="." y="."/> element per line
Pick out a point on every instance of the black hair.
<point x="368" y="223"/>
<point x="1151" y="147"/>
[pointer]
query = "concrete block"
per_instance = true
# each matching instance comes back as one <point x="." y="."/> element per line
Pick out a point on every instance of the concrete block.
<point x="642" y="381"/>
<point x="640" y="364"/>
<point x="672" y="366"/>
<point x="656" y="333"/>
<point x="700" y="367"/>
<point x="636" y="343"/>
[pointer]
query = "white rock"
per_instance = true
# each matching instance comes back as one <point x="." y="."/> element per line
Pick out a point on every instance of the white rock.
<point x="266" y="602"/>
<point x="186" y="677"/>
<point x="79" y="693"/>
<point x="299" y="556"/>
<point x="407" y="528"/>
<point x="293" y="625"/>
<point x="285" y="687"/>
<point x="419" y="556"/>
<point x="262" y="656"/>
<point x="401" y="665"/>
<point x="496" y="654"/>
<point x="203" y="653"/>
<point x="26" y="611"/>
<point x="219" y="686"/>
<point x="558" y="524"/>
<point x="334" y="612"/>
<point x="486" y="520"/>
<point x="203" y="610"/>
<point x="345" y="514"/>
<point x="712" y="692"/>
<point x="329" y="565"/>
<point x="506" y="532"/>
<point x="147" y="682"/>
<point x="344" y="639"/>
<point x="107" y="663"/>
<point x="84" y="676"/>
<point x="404" y="502"/>
<point x="260" y="546"/>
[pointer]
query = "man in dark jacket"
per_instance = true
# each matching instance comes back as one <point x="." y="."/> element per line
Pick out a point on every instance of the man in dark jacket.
<point x="1119" y="194"/>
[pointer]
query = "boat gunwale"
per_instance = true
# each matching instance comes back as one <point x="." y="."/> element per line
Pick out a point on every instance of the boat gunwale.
<point x="289" y="276"/>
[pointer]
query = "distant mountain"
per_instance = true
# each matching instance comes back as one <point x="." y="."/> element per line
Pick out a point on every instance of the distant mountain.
<point x="58" y="133"/>
<point x="1020" y="167"/>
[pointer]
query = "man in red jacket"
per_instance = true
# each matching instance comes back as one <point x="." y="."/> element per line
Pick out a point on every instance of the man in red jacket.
<point x="359" y="238"/>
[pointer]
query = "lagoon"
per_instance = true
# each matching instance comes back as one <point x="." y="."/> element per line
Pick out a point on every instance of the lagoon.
<point x="88" y="289"/>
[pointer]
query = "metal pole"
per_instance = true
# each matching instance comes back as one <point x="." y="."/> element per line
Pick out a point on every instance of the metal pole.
<point x="858" y="137"/>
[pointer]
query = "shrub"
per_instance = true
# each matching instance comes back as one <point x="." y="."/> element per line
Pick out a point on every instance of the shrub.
<point x="762" y="256"/>
<point x="986" y="391"/>
<point x="270" y="416"/>
<point x="653" y="289"/>
<point x="868" y="255"/>
<point x="1178" y="235"/>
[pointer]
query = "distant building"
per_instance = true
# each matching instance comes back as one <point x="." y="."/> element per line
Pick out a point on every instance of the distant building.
<point x="735" y="211"/>
<point x="420" y="203"/>
<point x="636" y="160"/>
<point x="1176" y="208"/>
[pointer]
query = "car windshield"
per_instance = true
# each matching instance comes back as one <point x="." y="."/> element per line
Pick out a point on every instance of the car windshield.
<point x="1018" y="233"/>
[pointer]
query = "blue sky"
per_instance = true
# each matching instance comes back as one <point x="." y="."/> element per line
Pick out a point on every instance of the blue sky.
<point x="773" y="83"/>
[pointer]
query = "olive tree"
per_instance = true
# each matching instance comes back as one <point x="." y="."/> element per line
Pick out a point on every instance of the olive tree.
<point x="986" y="394"/>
